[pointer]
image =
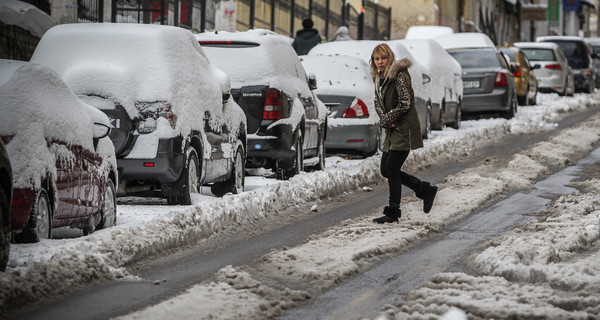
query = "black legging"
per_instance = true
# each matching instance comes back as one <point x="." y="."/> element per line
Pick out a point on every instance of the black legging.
<point x="391" y="168"/>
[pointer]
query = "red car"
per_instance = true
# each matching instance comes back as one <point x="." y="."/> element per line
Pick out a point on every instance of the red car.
<point x="64" y="166"/>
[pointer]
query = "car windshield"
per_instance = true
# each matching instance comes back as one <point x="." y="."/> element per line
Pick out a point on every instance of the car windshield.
<point x="476" y="58"/>
<point x="540" y="54"/>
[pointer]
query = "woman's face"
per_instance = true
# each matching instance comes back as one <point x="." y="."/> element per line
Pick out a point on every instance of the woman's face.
<point x="380" y="60"/>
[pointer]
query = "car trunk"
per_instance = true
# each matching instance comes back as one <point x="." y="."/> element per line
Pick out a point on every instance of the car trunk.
<point x="336" y="104"/>
<point x="252" y="100"/>
<point x="477" y="81"/>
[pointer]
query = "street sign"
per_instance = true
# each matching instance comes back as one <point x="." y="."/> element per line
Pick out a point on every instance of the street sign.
<point x="553" y="13"/>
<point x="571" y="5"/>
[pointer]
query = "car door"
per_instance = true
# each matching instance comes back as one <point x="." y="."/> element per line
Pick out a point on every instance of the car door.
<point x="68" y="179"/>
<point x="311" y="134"/>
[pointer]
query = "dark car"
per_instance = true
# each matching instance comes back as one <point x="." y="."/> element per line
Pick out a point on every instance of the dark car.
<point x="488" y="83"/>
<point x="579" y="55"/>
<point x="175" y="127"/>
<point x="287" y="123"/>
<point x="64" y="166"/>
<point x="594" y="43"/>
<point x="5" y="199"/>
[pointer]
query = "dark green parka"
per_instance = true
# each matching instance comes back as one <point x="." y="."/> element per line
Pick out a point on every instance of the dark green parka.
<point x="395" y="104"/>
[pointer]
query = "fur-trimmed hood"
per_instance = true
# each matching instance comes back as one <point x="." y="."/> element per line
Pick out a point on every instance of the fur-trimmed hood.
<point x="397" y="66"/>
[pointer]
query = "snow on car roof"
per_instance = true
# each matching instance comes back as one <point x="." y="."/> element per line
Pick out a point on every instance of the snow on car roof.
<point x="341" y="75"/>
<point x="37" y="107"/>
<point x="136" y="62"/>
<point x="427" y="32"/>
<point x="548" y="45"/>
<point x="571" y="38"/>
<point x="256" y="57"/>
<point x="26" y="16"/>
<point x="465" y="40"/>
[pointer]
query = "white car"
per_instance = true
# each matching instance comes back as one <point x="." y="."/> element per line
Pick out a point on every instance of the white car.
<point x="175" y="126"/>
<point x="344" y="84"/>
<point x="554" y="74"/>
<point x="427" y="32"/>
<point x="364" y="48"/>
<point x="443" y="79"/>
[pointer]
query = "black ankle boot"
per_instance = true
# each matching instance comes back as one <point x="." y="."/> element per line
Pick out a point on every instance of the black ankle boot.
<point x="427" y="193"/>
<point x="391" y="214"/>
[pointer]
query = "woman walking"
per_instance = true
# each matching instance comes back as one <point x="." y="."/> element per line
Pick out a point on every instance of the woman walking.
<point x="395" y="104"/>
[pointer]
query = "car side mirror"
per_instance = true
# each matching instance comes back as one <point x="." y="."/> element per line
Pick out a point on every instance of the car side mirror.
<point x="536" y="66"/>
<point x="226" y="96"/>
<point x="312" y="81"/>
<point x="100" y="130"/>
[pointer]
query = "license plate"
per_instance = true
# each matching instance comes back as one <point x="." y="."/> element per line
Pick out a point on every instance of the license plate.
<point x="470" y="84"/>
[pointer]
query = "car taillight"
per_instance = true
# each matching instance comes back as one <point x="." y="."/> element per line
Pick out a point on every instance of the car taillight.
<point x="150" y="112"/>
<point x="585" y="72"/>
<point x="357" y="110"/>
<point x="501" y="79"/>
<point x="273" y="105"/>
<point x="517" y="72"/>
<point x="554" y="66"/>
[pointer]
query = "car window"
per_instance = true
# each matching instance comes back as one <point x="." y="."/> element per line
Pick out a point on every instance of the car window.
<point x="540" y="54"/>
<point x="476" y="58"/>
<point x="524" y="60"/>
<point x="596" y="49"/>
<point x="509" y="53"/>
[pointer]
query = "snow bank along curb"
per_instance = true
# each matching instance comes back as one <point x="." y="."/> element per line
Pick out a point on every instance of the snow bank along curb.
<point x="104" y="254"/>
<point x="328" y="258"/>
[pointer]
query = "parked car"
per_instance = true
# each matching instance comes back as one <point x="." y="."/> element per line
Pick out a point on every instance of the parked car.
<point x="64" y="166"/>
<point x="427" y="32"/>
<point x="594" y="43"/>
<point x="525" y="79"/>
<point x="579" y="55"/>
<point x="287" y="123"/>
<point x="363" y="50"/>
<point x="344" y="84"/>
<point x="488" y="82"/>
<point x="443" y="80"/>
<point x="5" y="200"/>
<point x="175" y="126"/>
<point x="554" y="73"/>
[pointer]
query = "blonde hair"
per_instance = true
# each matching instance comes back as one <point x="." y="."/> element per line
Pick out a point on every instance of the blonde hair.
<point x="384" y="50"/>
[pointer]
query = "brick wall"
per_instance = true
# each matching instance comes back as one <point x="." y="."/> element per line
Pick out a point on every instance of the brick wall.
<point x="16" y="43"/>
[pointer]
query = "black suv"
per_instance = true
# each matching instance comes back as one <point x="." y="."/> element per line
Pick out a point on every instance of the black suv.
<point x="175" y="126"/>
<point x="287" y="123"/>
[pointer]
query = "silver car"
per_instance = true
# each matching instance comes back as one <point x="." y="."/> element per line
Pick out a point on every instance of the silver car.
<point x="344" y="84"/>
<point x="554" y="74"/>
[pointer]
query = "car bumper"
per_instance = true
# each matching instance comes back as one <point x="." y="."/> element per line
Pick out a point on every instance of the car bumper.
<point x="164" y="168"/>
<point x="352" y="137"/>
<point x="273" y="144"/>
<point x="497" y="100"/>
<point x="20" y="208"/>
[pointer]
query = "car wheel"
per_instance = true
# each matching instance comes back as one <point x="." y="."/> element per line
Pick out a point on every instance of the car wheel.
<point x="512" y="111"/>
<point x="430" y="123"/>
<point x="4" y="230"/>
<point x="39" y="225"/>
<point x="533" y="101"/>
<point x="187" y="182"/>
<point x="235" y="184"/>
<point x="322" y="152"/>
<point x="522" y="100"/>
<point x="109" y="207"/>
<point x="298" y="166"/>
<point x="457" y="117"/>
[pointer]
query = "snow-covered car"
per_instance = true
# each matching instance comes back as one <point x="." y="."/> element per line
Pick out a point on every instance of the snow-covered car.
<point x="594" y="43"/>
<point x="579" y="54"/>
<point x="344" y="84"/>
<point x="443" y="79"/>
<point x="287" y="123"/>
<point x="64" y="165"/>
<point x="488" y="83"/>
<point x="427" y="32"/>
<point x="175" y="127"/>
<point x="525" y="79"/>
<point x="5" y="200"/>
<point x="363" y="50"/>
<point x="554" y="73"/>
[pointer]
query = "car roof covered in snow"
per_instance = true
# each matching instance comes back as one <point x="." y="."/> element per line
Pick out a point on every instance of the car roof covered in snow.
<point x="465" y="40"/>
<point x="427" y="32"/>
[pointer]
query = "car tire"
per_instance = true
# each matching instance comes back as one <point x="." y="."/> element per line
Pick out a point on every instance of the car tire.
<point x="533" y="101"/>
<point x="298" y="166"/>
<point x="457" y="117"/>
<point x="322" y="152"/>
<point x="235" y="184"/>
<point x="4" y="230"/>
<point x="522" y="101"/>
<point x="439" y="125"/>
<point x="39" y="225"/>
<point x="187" y="183"/>
<point x="512" y="111"/>
<point x="108" y="217"/>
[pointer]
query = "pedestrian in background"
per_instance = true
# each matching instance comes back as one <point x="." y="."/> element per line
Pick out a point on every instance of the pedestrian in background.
<point x="342" y="34"/>
<point x="395" y="104"/>
<point x="306" y="38"/>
